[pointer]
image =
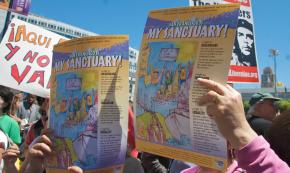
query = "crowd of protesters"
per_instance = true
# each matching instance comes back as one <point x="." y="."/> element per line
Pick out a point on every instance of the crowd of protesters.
<point x="260" y="138"/>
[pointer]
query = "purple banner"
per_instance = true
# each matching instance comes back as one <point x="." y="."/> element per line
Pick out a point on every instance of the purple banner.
<point x="21" y="6"/>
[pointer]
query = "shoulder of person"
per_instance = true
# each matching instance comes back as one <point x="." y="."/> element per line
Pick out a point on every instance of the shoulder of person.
<point x="259" y="120"/>
<point x="22" y="105"/>
<point x="13" y="120"/>
<point x="36" y="106"/>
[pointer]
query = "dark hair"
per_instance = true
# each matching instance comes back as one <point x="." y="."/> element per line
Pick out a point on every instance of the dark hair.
<point x="241" y="57"/>
<point x="7" y="97"/>
<point x="245" y="24"/>
<point x="40" y="100"/>
<point x="279" y="136"/>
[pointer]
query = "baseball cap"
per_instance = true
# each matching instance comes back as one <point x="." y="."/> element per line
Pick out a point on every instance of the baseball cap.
<point x="262" y="96"/>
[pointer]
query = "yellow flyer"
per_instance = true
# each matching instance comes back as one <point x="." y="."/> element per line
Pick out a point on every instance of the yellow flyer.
<point x="89" y="104"/>
<point x="178" y="46"/>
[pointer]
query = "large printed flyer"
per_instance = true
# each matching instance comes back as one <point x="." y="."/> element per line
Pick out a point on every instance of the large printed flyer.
<point x="89" y="104"/>
<point x="180" y="45"/>
<point x="244" y="63"/>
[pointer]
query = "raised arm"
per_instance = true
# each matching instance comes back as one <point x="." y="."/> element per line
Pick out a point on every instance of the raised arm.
<point x="224" y="105"/>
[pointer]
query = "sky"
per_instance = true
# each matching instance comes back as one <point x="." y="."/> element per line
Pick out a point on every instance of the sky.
<point x="271" y="24"/>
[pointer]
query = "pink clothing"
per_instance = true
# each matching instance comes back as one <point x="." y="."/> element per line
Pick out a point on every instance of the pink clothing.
<point x="131" y="133"/>
<point x="190" y="170"/>
<point x="255" y="157"/>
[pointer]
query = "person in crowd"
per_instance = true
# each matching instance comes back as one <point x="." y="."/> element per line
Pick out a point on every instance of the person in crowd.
<point x="131" y="134"/>
<point x="132" y="163"/>
<point x="131" y="104"/>
<point x="263" y="110"/>
<point x="244" y="47"/>
<point x="29" y="110"/>
<point x="3" y="147"/>
<point x="37" y="127"/>
<point x="279" y="136"/>
<point x="15" y="105"/>
<point x="224" y="105"/>
<point x="37" y="155"/>
<point x="253" y="153"/>
<point x="10" y="157"/>
<point x="151" y="163"/>
<point x="7" y="124"/>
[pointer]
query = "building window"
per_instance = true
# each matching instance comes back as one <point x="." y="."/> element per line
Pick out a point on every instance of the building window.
<point x="33" y="21"/>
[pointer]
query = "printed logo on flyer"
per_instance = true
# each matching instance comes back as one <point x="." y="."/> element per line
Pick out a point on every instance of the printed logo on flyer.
<point x="243" y="2"/>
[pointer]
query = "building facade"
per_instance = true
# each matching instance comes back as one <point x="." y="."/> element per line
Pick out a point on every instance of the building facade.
<point x="282" y="92"/>
<point x="60" y="28"/>
<point x="70" y="32"/>
<point x="267" y="78"/>
<point x="133" y="57"/>
<point x="267" y="86"/>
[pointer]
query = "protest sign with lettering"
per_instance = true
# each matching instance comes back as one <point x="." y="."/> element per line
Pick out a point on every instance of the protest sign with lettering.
<point x="244" y="64"/>
<point x="26" y="55"/>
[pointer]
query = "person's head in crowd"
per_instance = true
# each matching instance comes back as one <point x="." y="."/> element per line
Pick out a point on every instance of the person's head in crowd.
<point x="244" y="44"/>
<point x="43" y="110"/>
<point x="264" y="105"/>
<point x="131" y="104"/>
<point x="279" y="136"/>
<point x="17" y="98"/>
<point x="30" y="99"/>
<point x="6" y="97"/>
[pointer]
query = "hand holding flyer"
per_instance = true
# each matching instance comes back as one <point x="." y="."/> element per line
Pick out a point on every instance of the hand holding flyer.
<point x="180" y="45"/>
<point x="88" y="104"/>
<point x="232" y="124"/>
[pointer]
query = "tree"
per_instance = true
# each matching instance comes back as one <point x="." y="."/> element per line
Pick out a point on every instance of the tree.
<point x="284" y="105"/>
<point x="246" y="106"/>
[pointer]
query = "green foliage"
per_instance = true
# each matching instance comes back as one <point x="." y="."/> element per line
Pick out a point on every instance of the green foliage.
<point x="284" y="105"/>
<point x="246" y="106"/>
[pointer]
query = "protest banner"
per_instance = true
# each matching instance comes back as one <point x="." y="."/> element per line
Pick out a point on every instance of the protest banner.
<point x="89" y="104"/>
<point x="180" y="45"/>
<point x="244" y="64"/>
<point x="26" y="54"/>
